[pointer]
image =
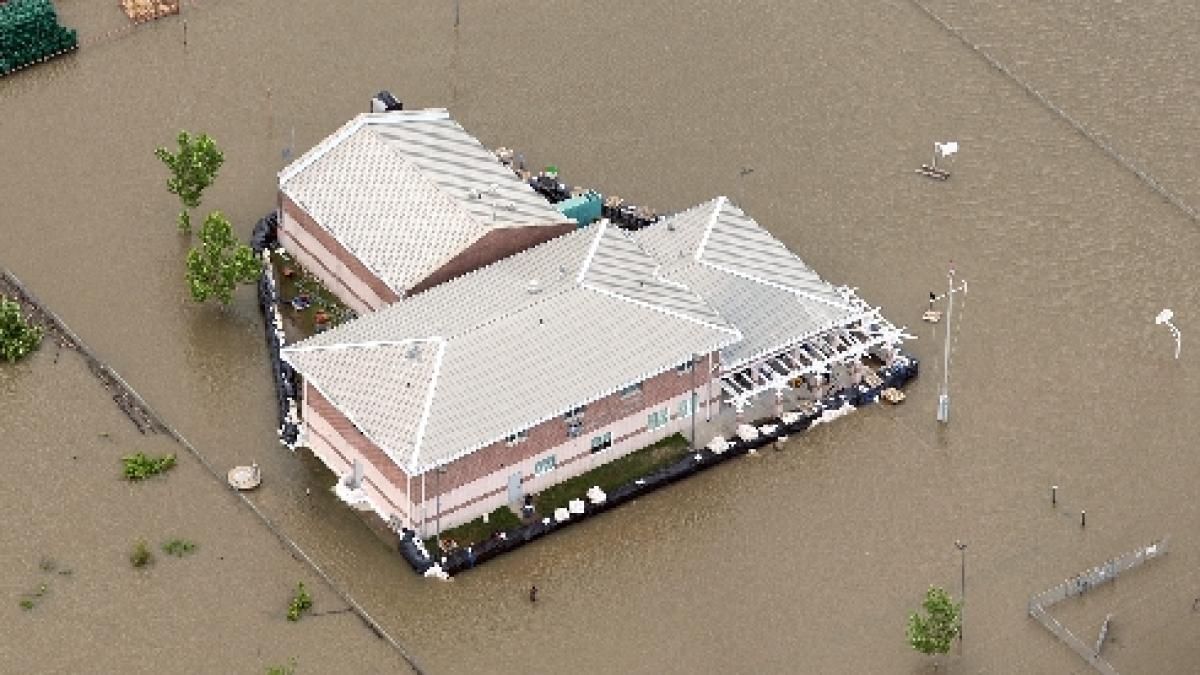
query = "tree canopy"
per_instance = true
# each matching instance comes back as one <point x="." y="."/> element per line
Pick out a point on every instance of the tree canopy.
<point x="220" y="263"/>
<point x="17" y="336"/>
<point x="193" y="168"/>
<point x="934" y="633"/>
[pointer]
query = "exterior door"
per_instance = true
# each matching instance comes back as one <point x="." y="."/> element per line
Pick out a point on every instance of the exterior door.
<point x="514" y="488"/>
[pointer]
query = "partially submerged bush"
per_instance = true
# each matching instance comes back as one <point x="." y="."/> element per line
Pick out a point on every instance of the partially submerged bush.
<point x="139" y="466"/>
<point x="300" y="604"/>
<point x="141" y="555"/>
<point x="17" y="336"/>
<point x="179" y="547"/>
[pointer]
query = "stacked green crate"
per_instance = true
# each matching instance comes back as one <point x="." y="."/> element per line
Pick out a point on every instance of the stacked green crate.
<point x="29" y="31"/>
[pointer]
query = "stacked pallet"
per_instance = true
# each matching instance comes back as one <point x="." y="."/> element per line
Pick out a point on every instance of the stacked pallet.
<point x="140" y="11"/>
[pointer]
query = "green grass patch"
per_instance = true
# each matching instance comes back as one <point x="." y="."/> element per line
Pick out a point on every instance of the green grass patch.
<point x="179" y="547"/>
<point x="468" y="534"/>
<point x="140" y="556"/>
<point x="287" y="669"/>
<point x="301" y="603"/>
<point x="321" y="298"/>
<point x="613" y="474"/>
<point x="140" y="466"/>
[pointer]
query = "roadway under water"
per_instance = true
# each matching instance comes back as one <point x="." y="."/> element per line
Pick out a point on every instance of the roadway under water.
<point x="806" y="560"/>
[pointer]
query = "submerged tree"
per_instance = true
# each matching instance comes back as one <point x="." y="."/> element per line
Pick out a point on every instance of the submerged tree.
<point x="220" y="263"/>
<point x="934" y="633"/>
<point x="17" y="336"/>
<point x="193" y="169"/>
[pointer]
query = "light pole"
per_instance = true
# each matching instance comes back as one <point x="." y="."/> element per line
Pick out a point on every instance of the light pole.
<point x="1164" y="319"/>
<point x="943" y="411"/>
<point x="962" y="595"/>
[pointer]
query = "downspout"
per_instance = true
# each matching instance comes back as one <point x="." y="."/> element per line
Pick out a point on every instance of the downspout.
<point x="408" y="494"/>
<point x="708" y="405"/>
<point x="422" y="506"/>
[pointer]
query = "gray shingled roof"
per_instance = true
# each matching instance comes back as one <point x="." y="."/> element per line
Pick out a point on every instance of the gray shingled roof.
<point x="508" y="346"/>
<point x="401" y="191"/>
<point x="746" y="275"/>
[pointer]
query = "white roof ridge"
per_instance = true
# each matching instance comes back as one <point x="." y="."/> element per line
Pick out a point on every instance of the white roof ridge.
<point x="601" y="228"/>
<point x="774" y="284"/>
<point x="728" y="328"/>
<point x="712" y="221"/>
<point x="419" y="436"/>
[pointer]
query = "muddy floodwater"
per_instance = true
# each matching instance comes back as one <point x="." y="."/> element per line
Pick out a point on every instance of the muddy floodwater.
<point x="805" y="560"/>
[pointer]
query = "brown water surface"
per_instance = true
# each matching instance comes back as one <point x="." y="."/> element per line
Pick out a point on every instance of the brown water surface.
<point x="806" y="560"/>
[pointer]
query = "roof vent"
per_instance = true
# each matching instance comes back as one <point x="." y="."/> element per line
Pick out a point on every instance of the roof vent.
<point x="414" y="350"/>
<point x="534" y="286"/>
<point x="671" y="226"/>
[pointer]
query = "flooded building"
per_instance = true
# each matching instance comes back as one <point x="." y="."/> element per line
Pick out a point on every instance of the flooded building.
<point x="444" y="406"/>
<point x="396" y="202"/>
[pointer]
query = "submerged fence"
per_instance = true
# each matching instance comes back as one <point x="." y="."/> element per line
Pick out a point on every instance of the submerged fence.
<point x="1081" y="583"/>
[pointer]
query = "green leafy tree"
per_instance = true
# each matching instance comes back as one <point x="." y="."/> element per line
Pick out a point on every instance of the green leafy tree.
<point x="193" y="168"/>
<point x="29" y="31"/>
<point x="934" y="633"/>
<point x="17" y="336"/>
<point x="220" y="263"/>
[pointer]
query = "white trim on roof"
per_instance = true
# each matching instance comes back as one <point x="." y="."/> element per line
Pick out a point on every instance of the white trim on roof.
<point x="773" y="284"/>
<point x="319" y="150"/>
<point x="352" y="127"/>
<point x="712" y="221"/>
<point x="732" y="330"/>
<point x="353" y="345"/>
<point x="419" y="436"/>
<point x="587" y="259"/>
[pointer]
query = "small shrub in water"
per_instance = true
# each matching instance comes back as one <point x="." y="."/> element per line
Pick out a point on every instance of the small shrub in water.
<point x="139" y="466"/>
<point x="141" y="555"/>
<point x="289" y="669"/>
<point x="179" y="547"/>
<point x="300" y="604"/>
<point x="27" y="604"/>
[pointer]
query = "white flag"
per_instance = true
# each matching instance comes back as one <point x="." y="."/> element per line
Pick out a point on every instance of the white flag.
<point x="948" y="148"/>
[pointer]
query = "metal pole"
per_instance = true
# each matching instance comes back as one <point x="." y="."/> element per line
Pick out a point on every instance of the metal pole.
<point x="456" y="13"/>
<point x="692" y="400"/>
<point x="438" y="487"/>
<point x="962" y="596"/>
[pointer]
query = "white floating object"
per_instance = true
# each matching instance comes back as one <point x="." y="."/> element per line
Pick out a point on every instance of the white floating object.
<point x="718" y="444"/>
<point x="596" y="495"/>
<point x="747" y="432"/>
<point x="768" y="429"/>
<point x="946" y="149"/>
<point x="697" y="457"/>
<point x="790" y="417"/>
<point x="437" y="572"/>
<point x="245" y="477"/>
<point x="575" y="506"/>
<point x="561" y="514"/>
<point x="545" y="521"/>
<point x="1164" y="316"/>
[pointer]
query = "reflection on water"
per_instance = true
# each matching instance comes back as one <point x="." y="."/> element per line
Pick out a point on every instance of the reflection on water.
<point x="805" y="560"/>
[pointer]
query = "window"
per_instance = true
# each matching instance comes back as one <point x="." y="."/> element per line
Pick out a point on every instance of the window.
<point x="544" y="465"/>
<point x="685" y="367"/>
<point x="658" y="418"/>
<point x="632" y="390"/>
<point x="575" y="414"/>
<point x="685" y="407"/>
<point x="517" y="438"/>
<point x="602" y="442"/>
